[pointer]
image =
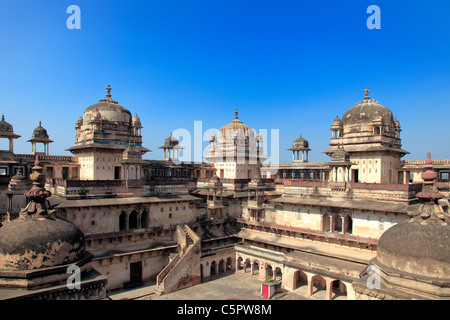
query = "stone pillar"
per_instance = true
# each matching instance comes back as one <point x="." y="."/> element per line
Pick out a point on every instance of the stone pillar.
<point x="310" y="285"/>
<point x="329" y="287"/>
<point x="262" y="272"/>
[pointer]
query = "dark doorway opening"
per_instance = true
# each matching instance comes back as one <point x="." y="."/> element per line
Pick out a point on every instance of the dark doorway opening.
<point x="135" y="274"/>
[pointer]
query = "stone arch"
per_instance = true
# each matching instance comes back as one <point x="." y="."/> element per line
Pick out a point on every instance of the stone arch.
<point x="269" y="271"/>
<point x="348" y="223"/>
<point x="144" y="219"/>
<point x="278" y="274"/>
<point x="339" y="289"/>
<point x="229" y="264"/>
<point x="122" y="221"/>
<point x="239" y="264"/>
<point x="221" y="266"/>
<point x="300" y="279"/>
<point x="337" y="223"/>
<point x="133" y="220"/>
<point x="255" y="267"/>
<point x="318" y="283"/>
<point x="212" y="268"/>
<point x="247" y="264"/>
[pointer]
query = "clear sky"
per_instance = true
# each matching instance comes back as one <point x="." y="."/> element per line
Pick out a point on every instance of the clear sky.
<point x="287" y="65"/>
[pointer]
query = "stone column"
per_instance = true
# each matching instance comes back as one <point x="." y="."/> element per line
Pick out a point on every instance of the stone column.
<point x="329" y="285"/>
<point x="310" y="285"/>
<point x="262" y="272"/>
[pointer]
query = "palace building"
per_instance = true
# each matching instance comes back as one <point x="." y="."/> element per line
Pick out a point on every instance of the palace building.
<point x="319" y="228"/>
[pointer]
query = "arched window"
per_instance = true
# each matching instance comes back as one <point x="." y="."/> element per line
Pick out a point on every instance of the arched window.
<point x="122" y="221"/>
<point x="348" y="221"/>
<point x="144" y="219"/>
<point x="229" y="265"/>
<point x="326" y="222"/>
<point x="133" y="220"/>
<point x="337" y="222"/>
<point x="221" y="266"/>
<point x="213" y="269"/>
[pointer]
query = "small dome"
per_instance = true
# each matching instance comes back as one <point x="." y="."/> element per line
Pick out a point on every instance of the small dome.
<point x="259" y="137"/>
<point x="40" y="134"/>
<point x="170" y="142"/>
<point x="340" y="155"/>
<point x="31" y="243"/>
<point x="214" y="181"/>
<point x="136" y="122"/>
<point x="336" y="124"/>
<point x="300" y="143"/>
<point x="132" y="153"/>
<point x="5" y="126"/>
<point x="18" y="183"/>
<point x="79" y="122"/>
<point x="397" y="125"/>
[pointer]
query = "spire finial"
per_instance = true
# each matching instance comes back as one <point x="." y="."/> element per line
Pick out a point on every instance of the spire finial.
<point x="40" y="125"/>
<point x="3" y="117"/>
<point x="108" y="96"/>
<point x="366" y="92"/>
<point x="108" y="90"/>
<point x="235" y="114"/>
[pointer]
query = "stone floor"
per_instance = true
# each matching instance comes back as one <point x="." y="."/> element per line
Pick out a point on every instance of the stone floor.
<point x="234" y="286"/>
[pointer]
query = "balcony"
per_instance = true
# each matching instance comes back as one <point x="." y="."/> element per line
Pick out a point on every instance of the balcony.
<point x="215" y="204"/>
<point x="255" y="204"/>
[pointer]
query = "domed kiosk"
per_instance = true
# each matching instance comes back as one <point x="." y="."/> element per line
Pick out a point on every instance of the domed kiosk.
<point x="368" y="130"/>
<point x="413" y="257"/>
<point x="103" y="134"/>
<point x="40" y="135"/>
<point x="38" y="250"/>
<point x="236" y="153"/>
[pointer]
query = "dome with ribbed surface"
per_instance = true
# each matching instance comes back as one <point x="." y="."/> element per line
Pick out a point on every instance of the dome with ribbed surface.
<point x="236" y="127"/>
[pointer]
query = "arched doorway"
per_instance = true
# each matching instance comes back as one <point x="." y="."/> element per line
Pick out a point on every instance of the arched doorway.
<point x="269" y="272"/>
<point x="318" y="284"/>
<point x="339" y="290"/>
<point x="228" y="265"/>
<point x="277" y="275"/>
<point x="221" y="266"/>
<point x="301" y="279"/>
<point x="337" y="223"/>
<point x="239" y="265"/>
<point x="212" y="270"/>
<point x="255" y="269"/>
<point x="348" y="222"/>
<point x="247" y="265"/>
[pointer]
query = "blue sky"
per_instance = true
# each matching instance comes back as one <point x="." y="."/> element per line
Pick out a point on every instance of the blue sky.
<point x="287" y="65"/>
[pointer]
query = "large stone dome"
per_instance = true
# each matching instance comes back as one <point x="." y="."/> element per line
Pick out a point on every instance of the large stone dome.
<point x="364" y="115"/>
<point x="416" y="248"/>
<point x="107" y="109"/>
<point x="368" y="111"/>
<point x="36" y="242"/>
